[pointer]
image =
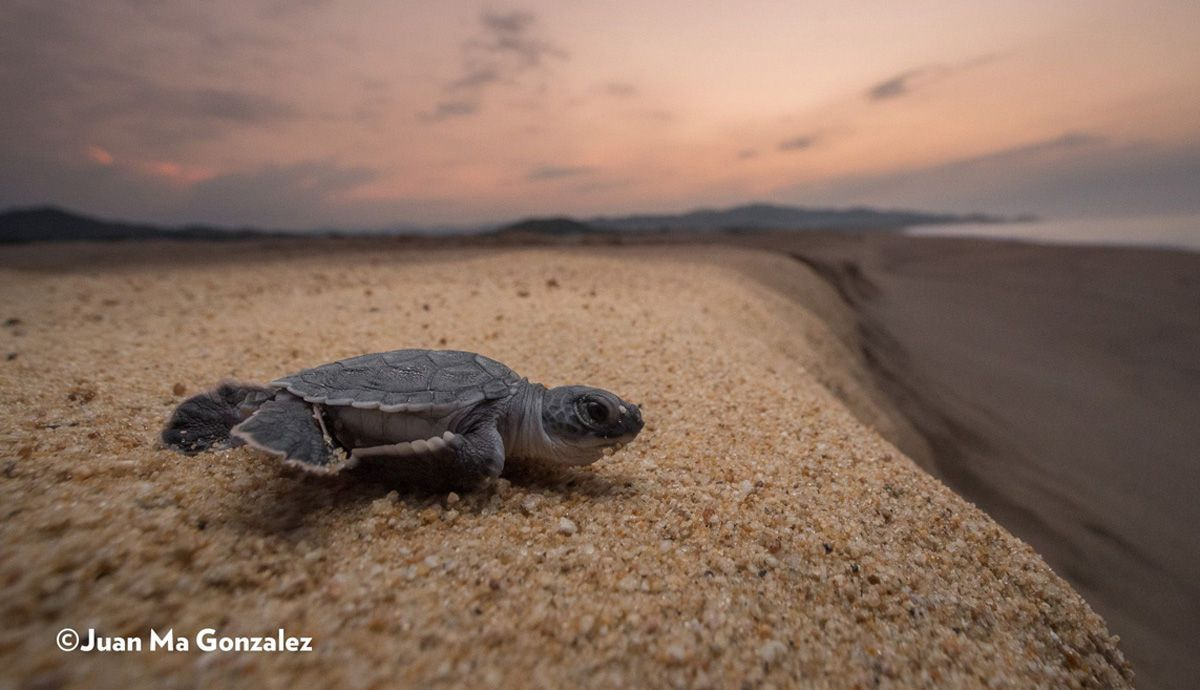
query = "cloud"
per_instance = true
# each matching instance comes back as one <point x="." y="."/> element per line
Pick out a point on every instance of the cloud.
<point x="797" y="144"/>
<point x="893" y="87"/>
<point x="506" y="48"/>
<point x="507" y="24"/>
<point x="620" y="89"/>
<point x="554" y="172"/>
<point x="481" y="76"/>
<point x="129" y="93"/>
<point x="151" y="115"/>
<point x="106" y="190"/>
<point x="304" y="195"/>
<point x="1065" y="141"/>
<point x="906" y="82"/>
<point x="1072" y="174"/>
<point x="448" y="109"/>
<point x="98" y="155"/>
<point x="655" y="114"/>
<point x="746" y="154"/>
<point x="276" y="9"/>
<point x="373" y="100"/>
<point x="510" y="33"/>
<point x="172" y="172"/>
<point x="225" y="105"/>
<point x="984" y="173"/>
<point x="297" y="195"/>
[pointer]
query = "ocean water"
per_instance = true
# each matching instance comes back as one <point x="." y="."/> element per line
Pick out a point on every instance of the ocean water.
<point x="1175" y="231"/>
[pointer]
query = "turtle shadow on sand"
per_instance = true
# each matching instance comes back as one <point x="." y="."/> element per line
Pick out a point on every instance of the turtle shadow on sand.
<point x="604" y="482"/>
<point x="289" y="503"/>
<point x="290" y="500"/>
<point x="528" y="475"/>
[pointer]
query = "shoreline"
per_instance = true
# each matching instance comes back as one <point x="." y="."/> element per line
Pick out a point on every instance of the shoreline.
<point x="1056" y="387"/>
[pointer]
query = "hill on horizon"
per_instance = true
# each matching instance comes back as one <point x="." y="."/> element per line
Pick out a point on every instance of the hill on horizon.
<point x="53" y="224"/>
<point x="764" y="216"/>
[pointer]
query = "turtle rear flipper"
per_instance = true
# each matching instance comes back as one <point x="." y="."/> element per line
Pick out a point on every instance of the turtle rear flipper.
<point x="289" y="427"/>
<point x="202" y="422"/>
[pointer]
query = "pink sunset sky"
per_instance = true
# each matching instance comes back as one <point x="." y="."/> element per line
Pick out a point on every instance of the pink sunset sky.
<point x="372" y="114"/>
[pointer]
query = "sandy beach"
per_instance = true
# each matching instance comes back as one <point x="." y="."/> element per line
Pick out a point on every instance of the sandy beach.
<point x="1058" y="388"/>
<point x="757" y="534"/>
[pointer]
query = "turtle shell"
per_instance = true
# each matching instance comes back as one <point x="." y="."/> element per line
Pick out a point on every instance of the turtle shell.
<point x="422" y="381"/>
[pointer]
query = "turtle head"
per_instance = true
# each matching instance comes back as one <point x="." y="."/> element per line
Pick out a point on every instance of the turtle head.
<point x="582" y="422"/>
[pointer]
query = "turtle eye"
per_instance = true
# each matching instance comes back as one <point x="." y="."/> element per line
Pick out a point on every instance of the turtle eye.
<point x="597" y="411"/>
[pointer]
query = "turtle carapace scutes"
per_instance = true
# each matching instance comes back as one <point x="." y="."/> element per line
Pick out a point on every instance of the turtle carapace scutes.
<point x="457" y="414"/>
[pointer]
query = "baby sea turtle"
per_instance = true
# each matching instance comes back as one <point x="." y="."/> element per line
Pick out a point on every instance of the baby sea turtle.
<point x="436" y="413"/>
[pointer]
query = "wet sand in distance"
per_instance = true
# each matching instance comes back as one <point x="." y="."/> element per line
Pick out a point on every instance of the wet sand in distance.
<point x="1058" y="388"/>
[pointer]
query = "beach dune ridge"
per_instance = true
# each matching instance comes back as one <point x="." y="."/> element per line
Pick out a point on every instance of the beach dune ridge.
<point x="755" y="533"/>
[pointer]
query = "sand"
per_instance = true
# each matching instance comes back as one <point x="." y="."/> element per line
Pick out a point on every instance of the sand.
<point x="1059" y="389"/>
<point x="755" y="535"/>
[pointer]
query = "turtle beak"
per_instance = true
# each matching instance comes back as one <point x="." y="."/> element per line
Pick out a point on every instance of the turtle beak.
<point x="631" y="421"/>
<point x="635" y="419"/>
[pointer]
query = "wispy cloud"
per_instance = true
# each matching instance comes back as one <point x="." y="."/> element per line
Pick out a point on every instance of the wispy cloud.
<point x="98" y="155"/>
<point x="513" y="34"/>
<point x="296" y="195"/>
<point x="221" y="105"/>
<point x="175" y="174"/>
<point x="797" y="143"/>
<point x="506" y="48"/>
<point x="171" y="172"/>
<point x="155" y="115"/>
<point x="895" y="86"/>
<point x="274" y="9"/>
<point x="1066" y="141"/>
<point x="908" y="81"/>
<point x="1070" y="174"/>
<point x="448" y="109"/>
<point x="474" y="80"/>
<point x="300" y="195"/>
<point x="374" y="99"/>
<point x="129" y="93"/>
<point x="620" y="89"/>
<point x="556" y="172"/>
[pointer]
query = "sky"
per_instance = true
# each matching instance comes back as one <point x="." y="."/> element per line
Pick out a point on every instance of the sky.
<point x="307" y="113"/>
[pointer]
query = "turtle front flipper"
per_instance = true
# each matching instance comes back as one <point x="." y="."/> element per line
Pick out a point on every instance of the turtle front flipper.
<point x="290" y="428"/>
<point x="459" y="461"/>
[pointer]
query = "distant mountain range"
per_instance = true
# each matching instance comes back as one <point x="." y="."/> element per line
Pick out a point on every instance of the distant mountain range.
<point x="50" y="224"/>
<point x="774" y="217"/>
